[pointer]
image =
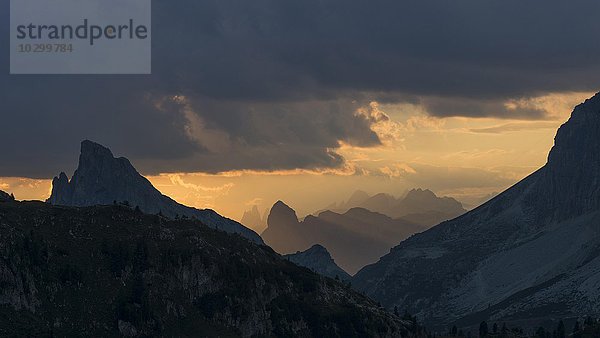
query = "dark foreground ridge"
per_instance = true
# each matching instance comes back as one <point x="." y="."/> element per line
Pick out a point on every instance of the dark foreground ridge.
<point x="110" y="270"/>
<point x="102" y="179"/>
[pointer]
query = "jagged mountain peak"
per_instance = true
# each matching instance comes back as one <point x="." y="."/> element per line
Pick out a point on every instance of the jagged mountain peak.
<point x="282" y="227"/>
<point x="569" y="184"/>
<point x="280" y="204"/>
<point x="95" y="156"/>
<point x="91" y="148"/>
<point x="420" y="194"/>
<point x="577" y="138"/>
<point x="254" y="219"/>
<point x="102" y="179"/>
<point x="281" y="212"/>
<point x="420" y="191"/>
<point x="253" y="212"/>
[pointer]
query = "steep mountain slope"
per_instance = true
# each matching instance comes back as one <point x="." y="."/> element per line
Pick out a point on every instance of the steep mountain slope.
<point x="102" y="179"/>
<point x="318" y="259"/>
<point x="533" y="252"/>
<point x="417" y="206"/>
<point x="113" y="271"/>
<point x="354" y="239"/>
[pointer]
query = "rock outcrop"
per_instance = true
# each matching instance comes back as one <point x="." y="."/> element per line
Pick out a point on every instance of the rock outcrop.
<point x="102" y="179"/>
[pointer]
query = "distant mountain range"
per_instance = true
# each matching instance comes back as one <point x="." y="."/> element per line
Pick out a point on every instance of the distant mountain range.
<point x="420" y="206"/>
<point x="102" y="179"/>
<point x="354" y="239"/>
<point x="109" y="271"/>
<point x="530" y="254"/>
<point x="318" y="259"/>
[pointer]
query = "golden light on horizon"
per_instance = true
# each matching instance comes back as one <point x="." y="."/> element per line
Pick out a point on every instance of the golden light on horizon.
<point x="467" y="158"/>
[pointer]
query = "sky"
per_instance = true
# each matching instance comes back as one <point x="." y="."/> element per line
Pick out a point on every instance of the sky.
<point x="307" y="101"/>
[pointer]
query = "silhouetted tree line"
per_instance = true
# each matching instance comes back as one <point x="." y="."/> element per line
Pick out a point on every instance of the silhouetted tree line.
<point x="587" y="328"/>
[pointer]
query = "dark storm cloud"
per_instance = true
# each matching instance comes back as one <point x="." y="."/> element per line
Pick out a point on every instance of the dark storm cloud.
<point x="482" y="49"/>
<point x="469" y="107"/>
<point x="272" y="84"/>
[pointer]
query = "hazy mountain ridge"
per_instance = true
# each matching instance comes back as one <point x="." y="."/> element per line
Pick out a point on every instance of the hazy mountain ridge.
<point x="529" y="253"/>
<point x="420" y="206"/>
<point x="253" y="219"/>
<point x="110" y="270"/>
<point x="318" y="259"/>
<point x="102" y="179"/>
<point x="354" y="239"/>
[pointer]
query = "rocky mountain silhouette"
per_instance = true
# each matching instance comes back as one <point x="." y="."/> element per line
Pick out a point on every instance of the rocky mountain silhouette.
<point x="318" y="259"/>
<point x="532" y="252"/>
<point x="102" y="179"/>
<point x="253" y="219"/>
<point x="108" y="271"/>
<point x="354" y="239"/>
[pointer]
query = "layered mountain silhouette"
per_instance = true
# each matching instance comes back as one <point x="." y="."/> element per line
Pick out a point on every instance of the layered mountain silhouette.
<point x="532" y="252"/>
<point x="253" y="219"/>
<point x="110" y="271"/>
<point x="102" y="179"/>
<point x="420" y="206"/>
<point x="318" y="259"/>
<point x="354" y="238"/>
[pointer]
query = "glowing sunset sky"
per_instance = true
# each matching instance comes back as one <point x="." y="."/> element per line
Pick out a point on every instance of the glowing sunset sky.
<point x="307" y="101"/>
<point x="466" y="158"/>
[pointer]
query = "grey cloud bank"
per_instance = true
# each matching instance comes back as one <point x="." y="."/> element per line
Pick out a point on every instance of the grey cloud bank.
<point x="274" y="85"/>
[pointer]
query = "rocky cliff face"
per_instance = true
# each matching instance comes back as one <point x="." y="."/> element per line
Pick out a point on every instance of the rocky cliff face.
<point x="318" y="259"/>
<point x="532" y="252"/>
<point x="570" y="182"/>
<point x="102" y="179"/>
<point x="107" y="271"/>
<point x="284" y="231"/>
